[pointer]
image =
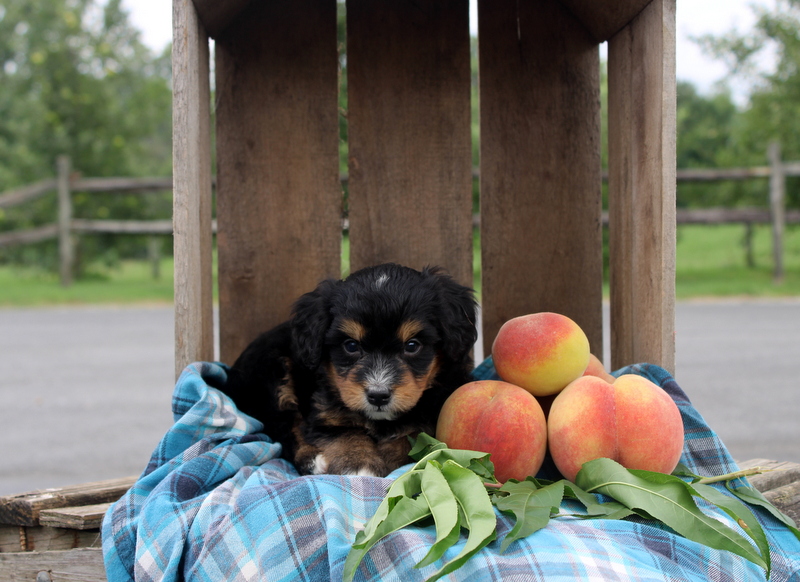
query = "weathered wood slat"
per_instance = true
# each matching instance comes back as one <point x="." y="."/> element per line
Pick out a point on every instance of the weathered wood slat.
<point x="121" y="185"/>
<point x="17" y="538"/>
<point x="217" y="15"/>
<point x="191" y="153"/>
<point x="605" y="19"/>
<point x="787" y="499"/>
<point x="278" y="193"/>
<point x="778" y="473"/>
<point x="641" y="186"/>
<point x="410" y="187"/>
<point x="23" y="509"/>
<point x="80" y="565"/>
<point x="28" y="236"/>
<point x="80" y="517"/>
<point x="541" y="236"/>
<point x="730" y="216"/>
<point x="26" y="193"/>
<point x="780" y="484"/>
<point x="122" y="226"/>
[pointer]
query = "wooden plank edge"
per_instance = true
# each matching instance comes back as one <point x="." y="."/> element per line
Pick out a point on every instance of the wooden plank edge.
<point x="85" y="564"/>
<point x="777" y="473"/>
<point x="81" y="517"/>
<point x="24" y="508"/>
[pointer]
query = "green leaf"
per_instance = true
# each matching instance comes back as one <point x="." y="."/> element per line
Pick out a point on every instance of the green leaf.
<point x="423" y="445"/>
<point x="406" y="511"/>
<point x="668" y="499"/>
<point x="477" y="510"/>
<point x="595" y="509"/>
<point x="426" y="448"/>
<point x="753" y="496"/>
<point x="739" y="512"/>
<point x="407" y="485"/>
<point x="444" y="509"/>
<point x="531" y="506"/>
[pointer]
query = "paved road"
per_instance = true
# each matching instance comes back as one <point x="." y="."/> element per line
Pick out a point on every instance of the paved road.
<point x="86" y="391"/>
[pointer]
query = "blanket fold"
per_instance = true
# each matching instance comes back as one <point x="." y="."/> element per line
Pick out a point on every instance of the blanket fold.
<point x="216" y="502"/>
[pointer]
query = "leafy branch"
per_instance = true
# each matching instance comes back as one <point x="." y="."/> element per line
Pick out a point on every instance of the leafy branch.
<point x="457" y="490"/>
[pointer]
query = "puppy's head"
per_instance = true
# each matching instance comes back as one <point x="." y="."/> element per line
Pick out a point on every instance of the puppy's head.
<point x="383" y="335"/>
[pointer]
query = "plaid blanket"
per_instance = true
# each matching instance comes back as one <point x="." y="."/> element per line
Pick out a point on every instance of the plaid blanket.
<point x="217" y="503"/>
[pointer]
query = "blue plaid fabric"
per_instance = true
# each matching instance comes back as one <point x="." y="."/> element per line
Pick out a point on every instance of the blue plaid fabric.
<point x="217" y="503"/>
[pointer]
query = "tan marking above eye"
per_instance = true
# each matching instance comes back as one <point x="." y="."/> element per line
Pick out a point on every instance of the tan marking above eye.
<point x="409" y="329"/>
<point x="353" y="329"/>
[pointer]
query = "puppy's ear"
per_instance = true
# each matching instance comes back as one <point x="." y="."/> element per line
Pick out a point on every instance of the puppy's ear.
<point x="458" y="314"/>
<point x="310" y="321"/>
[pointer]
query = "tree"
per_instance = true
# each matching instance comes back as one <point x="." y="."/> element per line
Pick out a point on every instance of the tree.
<point x="75" y="79"/>
<point x="774" y="108"/>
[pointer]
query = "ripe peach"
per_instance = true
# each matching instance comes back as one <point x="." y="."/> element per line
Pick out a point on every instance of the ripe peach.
<point x="632" y="421"/>
<point x="497" y="418"/>
<point x="541" y="352"/>
<point x="596" y="368"/>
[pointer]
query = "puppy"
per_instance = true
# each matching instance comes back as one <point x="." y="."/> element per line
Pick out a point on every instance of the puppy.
<point x="361" y="365"/>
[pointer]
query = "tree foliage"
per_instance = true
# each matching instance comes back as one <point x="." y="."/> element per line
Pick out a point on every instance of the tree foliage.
<point x="773" y="111"/>
<point x="76" y="79"/>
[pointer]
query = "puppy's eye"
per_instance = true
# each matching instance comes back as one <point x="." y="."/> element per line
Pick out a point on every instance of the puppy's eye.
<point x="412" y="347"/>
<point x="351" y="346"/>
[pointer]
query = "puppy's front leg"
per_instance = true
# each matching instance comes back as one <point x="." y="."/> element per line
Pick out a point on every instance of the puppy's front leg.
<point x="351" y="454"/>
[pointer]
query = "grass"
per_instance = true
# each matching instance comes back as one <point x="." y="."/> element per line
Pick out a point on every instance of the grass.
<point x="711" y="262"/>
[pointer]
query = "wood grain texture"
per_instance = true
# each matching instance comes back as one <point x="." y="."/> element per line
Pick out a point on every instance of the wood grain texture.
<point x="24" y="508"/>
<point x="776" y="473"/>
<point x="278" y="191"/>
<point x="80" y="517"/>
<point x="605" y="19"/>
<point x="641" y="185"/>
<point x="410" y="188"/>
<point x="216" y="15"/>
<point x="46" y="539"/>
<point x="191" y="155"/>
<point x="81" y="565"/>
<point x="541" y="207"/>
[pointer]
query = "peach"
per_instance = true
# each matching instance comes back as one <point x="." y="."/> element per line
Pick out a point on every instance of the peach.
<point x="596" y="368"/>
<point x="541" y="352"/>
<point x="497" y="418"/>
<point x="632" y="421"/>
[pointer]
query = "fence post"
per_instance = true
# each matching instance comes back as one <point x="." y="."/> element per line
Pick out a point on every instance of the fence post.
<point x="777" y="205"/>
<point x="66" y="252"/>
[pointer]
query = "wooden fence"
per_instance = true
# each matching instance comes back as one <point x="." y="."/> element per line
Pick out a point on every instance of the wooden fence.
<point x="66" y="226"/>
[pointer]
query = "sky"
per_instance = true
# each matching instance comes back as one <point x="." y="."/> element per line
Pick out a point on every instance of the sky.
<point x="694" y="18"/>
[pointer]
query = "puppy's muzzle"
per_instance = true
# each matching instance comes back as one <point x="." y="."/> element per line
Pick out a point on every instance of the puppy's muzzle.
<point x="379" y="382"/>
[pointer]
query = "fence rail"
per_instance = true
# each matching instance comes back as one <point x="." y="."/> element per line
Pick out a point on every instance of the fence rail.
<point x="66" y="226"/>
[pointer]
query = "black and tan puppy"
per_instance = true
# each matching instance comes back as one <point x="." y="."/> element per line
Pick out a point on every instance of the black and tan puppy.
<point x="362" y="364"/>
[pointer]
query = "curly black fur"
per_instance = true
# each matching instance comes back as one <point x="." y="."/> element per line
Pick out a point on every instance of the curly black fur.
<point x="361" y="365"/>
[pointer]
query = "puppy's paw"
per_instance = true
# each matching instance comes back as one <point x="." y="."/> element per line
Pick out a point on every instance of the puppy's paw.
<point x="319" y="465"/>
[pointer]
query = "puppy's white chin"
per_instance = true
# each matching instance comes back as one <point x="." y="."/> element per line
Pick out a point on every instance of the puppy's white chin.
<point x="375" y="414"/>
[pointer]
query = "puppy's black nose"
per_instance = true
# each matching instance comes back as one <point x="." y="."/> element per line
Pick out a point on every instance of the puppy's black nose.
<point x="379" y="397"/>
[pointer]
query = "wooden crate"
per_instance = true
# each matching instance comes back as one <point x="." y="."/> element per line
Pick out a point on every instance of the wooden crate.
<point x="54" y="534"/>
<point x="279" y="198"/>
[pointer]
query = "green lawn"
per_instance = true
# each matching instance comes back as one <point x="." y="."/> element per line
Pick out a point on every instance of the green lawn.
<point x="711" y="261"/>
